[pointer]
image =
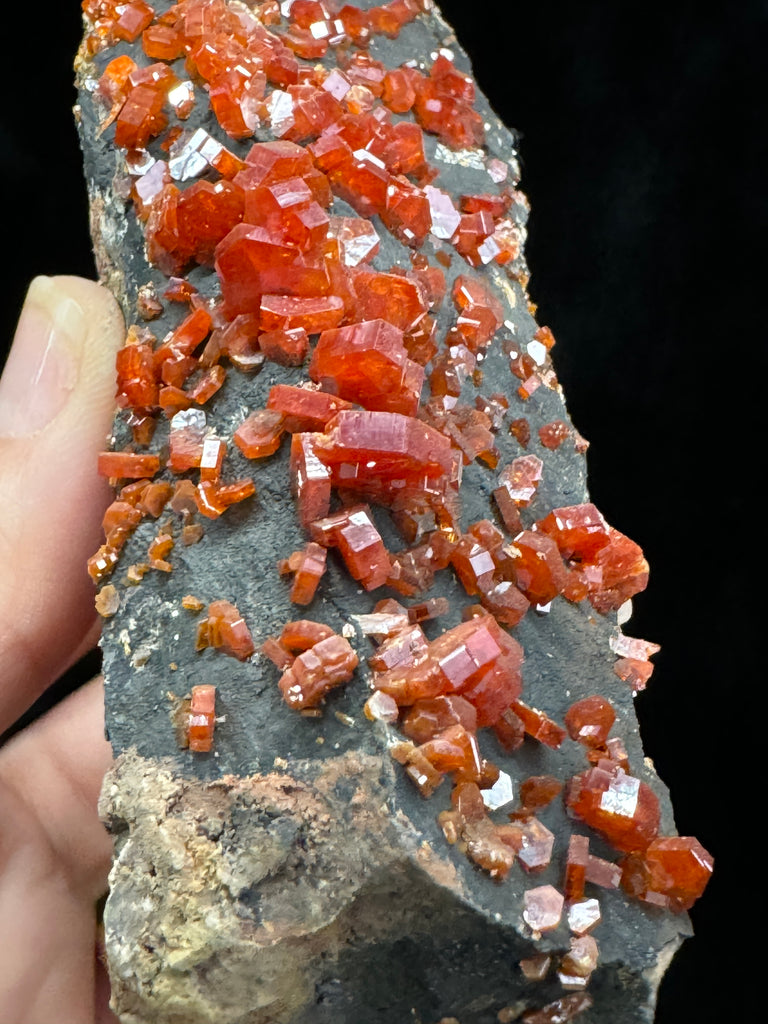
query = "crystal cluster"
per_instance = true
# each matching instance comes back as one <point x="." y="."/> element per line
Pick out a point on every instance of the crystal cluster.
<point x="317" y="154"/>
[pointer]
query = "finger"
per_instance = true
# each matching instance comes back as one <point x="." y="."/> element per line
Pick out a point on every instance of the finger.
<point x="56" y="405"/>
<point x="46" y="930"/>
<point x="54" y="858"/>
<point x="56" y="767"/>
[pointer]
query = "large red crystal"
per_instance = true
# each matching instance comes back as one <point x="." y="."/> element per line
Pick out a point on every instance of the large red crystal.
<point x="675" y="868"/>
<point x="623" y="809"/>
<point x="251" y="262"/>
<point x="368" y="363"/>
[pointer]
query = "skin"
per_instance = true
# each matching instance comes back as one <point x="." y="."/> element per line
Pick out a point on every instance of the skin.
<point x="54" y="852"/>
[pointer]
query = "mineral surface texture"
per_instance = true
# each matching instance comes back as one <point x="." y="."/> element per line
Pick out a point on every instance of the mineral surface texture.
<point x="367" y="688"/>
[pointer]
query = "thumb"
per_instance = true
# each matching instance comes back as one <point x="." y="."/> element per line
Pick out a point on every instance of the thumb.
<point x="56" y="406"/>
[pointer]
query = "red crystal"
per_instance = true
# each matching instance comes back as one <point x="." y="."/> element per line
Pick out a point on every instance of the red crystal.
<point x="286" y="312"/>
<point x="225" y="628"/>
<point x="560" y="1011"/>
<point x="675" y="867"/>
<point x="403" y="649"/>
<point x="310" y="480"/>
<point x="533" y="842"/>
<point x="398" y="91"/>
<point x="119" y="522"/>
<point x="537" y="567"/>
<point x="444" y="106"/>
<point x="213" y="499"/>
<point x="476" y="659"/>
<point x="386" y="456"/>
<point x="127" y="465"/>
<point x="521" y="430"/>
<point x="302" y="634"/>
<point x="539" y="725"/>
<point x="634" y="671"/>
<point x="286" y="347"/>
<point x="427" y="718"/>
<point x="162" y="42"/>
<point x="623" y="572"/>
<point x="136" y="383"/>
<point x="205" y="214"/>
<point x="539" y="790"/>
<point x="308" y="567"/>
<point x="543" y="908"/>
<point x="141" y="117"/>
<point x="521" y="479"/>
<point x="359" y="543"/>
<point x="368" y="363"/>
<point x="400" y="301"/>
<point x="576" y="867"/>
<point x="623" y="809"/>
<point x="316" y="671"/>
<point x="304" y="409"/>
<point x="185" y="440"/>
<point x="578" y="530"/>
<point x="132" y="19"/>
<point x="553" y="434"/>
<point x="202" y="717"/>
<point x="260" y="434"/>
<point x="453" y="750"/>
<point x="358" y="239"/>
<point x="480" y="312"/>
<point x="250" y="262"/>
<point x="603" y="872"/>
<point x="590" y="720"/>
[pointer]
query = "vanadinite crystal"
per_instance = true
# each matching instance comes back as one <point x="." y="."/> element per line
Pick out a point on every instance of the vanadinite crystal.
<point x="332" y="393"/>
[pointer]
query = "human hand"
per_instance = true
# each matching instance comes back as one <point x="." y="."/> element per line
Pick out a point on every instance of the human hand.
<point x="56" y="406"/>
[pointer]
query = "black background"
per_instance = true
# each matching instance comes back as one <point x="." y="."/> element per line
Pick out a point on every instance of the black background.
<point x="642" y="143"/>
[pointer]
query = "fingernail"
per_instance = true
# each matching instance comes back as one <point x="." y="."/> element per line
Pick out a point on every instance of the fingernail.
<point x="44" y="362"/>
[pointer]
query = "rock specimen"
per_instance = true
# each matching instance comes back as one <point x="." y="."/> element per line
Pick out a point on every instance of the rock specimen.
<point x="425" y="798"/>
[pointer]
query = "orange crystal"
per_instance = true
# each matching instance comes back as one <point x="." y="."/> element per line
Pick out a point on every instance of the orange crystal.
<point x="226" y="629"/>
<point x="589" y="721"/>
<point x="259" y="435"/>
<point x="368" y="363"/>
<point x="308" y="567"/>
<point x="677" y="868"/>
<point x="317" y="671"/>
<point x="304" y="409"/>
<point x="127" y="465"/>
<point x="354" y="533"/>
<point x="202" y="717"/>
<point x="623" y="809"/>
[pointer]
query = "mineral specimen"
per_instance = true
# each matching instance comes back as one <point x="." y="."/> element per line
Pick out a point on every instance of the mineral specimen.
<point x="330" y="214"/>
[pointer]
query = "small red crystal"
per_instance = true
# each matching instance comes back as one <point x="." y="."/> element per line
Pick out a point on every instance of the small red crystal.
<point x="539" y="725"/>
<point x="225" y="628"/>
<point x="576" y="867"/>
<point x="259" y="435"/>
<point x="308" y="567"/>
<point x="127" y="465"/>
<point x="202" y="716"/>
<point x="539" y="790"/>
<point x="318" y="670"/>
<point x="359" y="542"/>
<point x="589" y="721"/>
<point x="553" y="434"/>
